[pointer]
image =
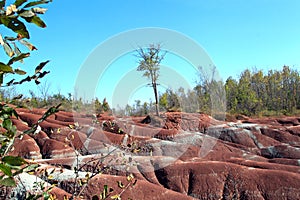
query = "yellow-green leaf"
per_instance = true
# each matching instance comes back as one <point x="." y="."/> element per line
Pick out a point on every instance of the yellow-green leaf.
<point x="30" y="168"/>
<point x="5" y="68"/>
<point x="117" y="196"/>
<point x="38" y="21"/>
<point x="130" y="177"/>
<point x="13" y="160"/>
<point x="50" y="177"/>
<point x="5" y="169"/>
<point x="20" y="72"/>
<point x="9" y="182"/>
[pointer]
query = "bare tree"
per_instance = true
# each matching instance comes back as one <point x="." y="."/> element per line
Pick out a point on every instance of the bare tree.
<point x="44" y="89"/>
<point x="149" y="61"/>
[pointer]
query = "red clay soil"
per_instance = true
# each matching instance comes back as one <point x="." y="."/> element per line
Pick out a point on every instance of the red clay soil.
<point x="175" y="156"/>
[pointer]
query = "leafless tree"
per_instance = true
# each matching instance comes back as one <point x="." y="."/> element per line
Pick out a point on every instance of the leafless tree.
<point x="44" y="89"/>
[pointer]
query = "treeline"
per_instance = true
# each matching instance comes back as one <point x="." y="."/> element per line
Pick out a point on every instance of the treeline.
<point x="68" y="103"/>
<point x="253" y="93"/>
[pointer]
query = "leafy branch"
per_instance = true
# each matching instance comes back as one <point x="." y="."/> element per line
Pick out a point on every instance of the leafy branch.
<point x="14" y="17"/>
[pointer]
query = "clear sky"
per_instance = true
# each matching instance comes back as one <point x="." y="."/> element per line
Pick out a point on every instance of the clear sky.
<point x="235" y="34"/>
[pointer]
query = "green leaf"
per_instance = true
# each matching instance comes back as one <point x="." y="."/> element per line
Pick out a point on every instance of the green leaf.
<point x="26" y="13"/>
<point x="18" y="58"/>
<point x="8" y="49"/>
<point x="7" y="124"/>
<point x="15" y="25"/>
<point x="36" y="20"/>
<point x="5" y="109"/>
<point x="28" y="45"/>
<point x="18" y="3"/>
<point x="9" y="182"/>
<point x="46" y="195"/>
<point x="20" y="72"/>
<point x="36" y="3"/>
<point x="40" y="66"/>
<point x="5" y="68"/>
<point x="104" y="192"/>
<point x="5" y="169"/>
<point x="30" y="168"/>
<point x="13" y="160"/>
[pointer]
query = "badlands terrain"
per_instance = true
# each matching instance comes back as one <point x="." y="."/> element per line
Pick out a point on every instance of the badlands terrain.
<point x="176" y="156"/>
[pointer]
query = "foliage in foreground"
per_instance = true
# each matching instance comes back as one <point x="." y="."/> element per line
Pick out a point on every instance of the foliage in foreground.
<point x="14" y="17"/>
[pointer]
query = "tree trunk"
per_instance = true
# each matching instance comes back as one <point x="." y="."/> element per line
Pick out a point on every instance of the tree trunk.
<point x="156" y="99"/>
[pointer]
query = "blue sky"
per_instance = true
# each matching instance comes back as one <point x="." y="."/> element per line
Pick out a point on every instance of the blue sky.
<point x="235" y="34"/>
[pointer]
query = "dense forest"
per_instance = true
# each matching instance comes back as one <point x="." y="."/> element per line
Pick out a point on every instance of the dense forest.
<point x="256" y="93"/>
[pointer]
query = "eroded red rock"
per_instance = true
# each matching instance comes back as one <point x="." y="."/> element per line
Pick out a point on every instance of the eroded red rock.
<point x="26" y="148"/>
<point x="142" y="189"/>
<point x="56" y="149"/>
<point x="174" y="156"/>
<point x="228" y="181"/>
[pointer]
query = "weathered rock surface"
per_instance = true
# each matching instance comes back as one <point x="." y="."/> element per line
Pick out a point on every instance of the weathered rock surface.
<point x="176" y="156"/>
